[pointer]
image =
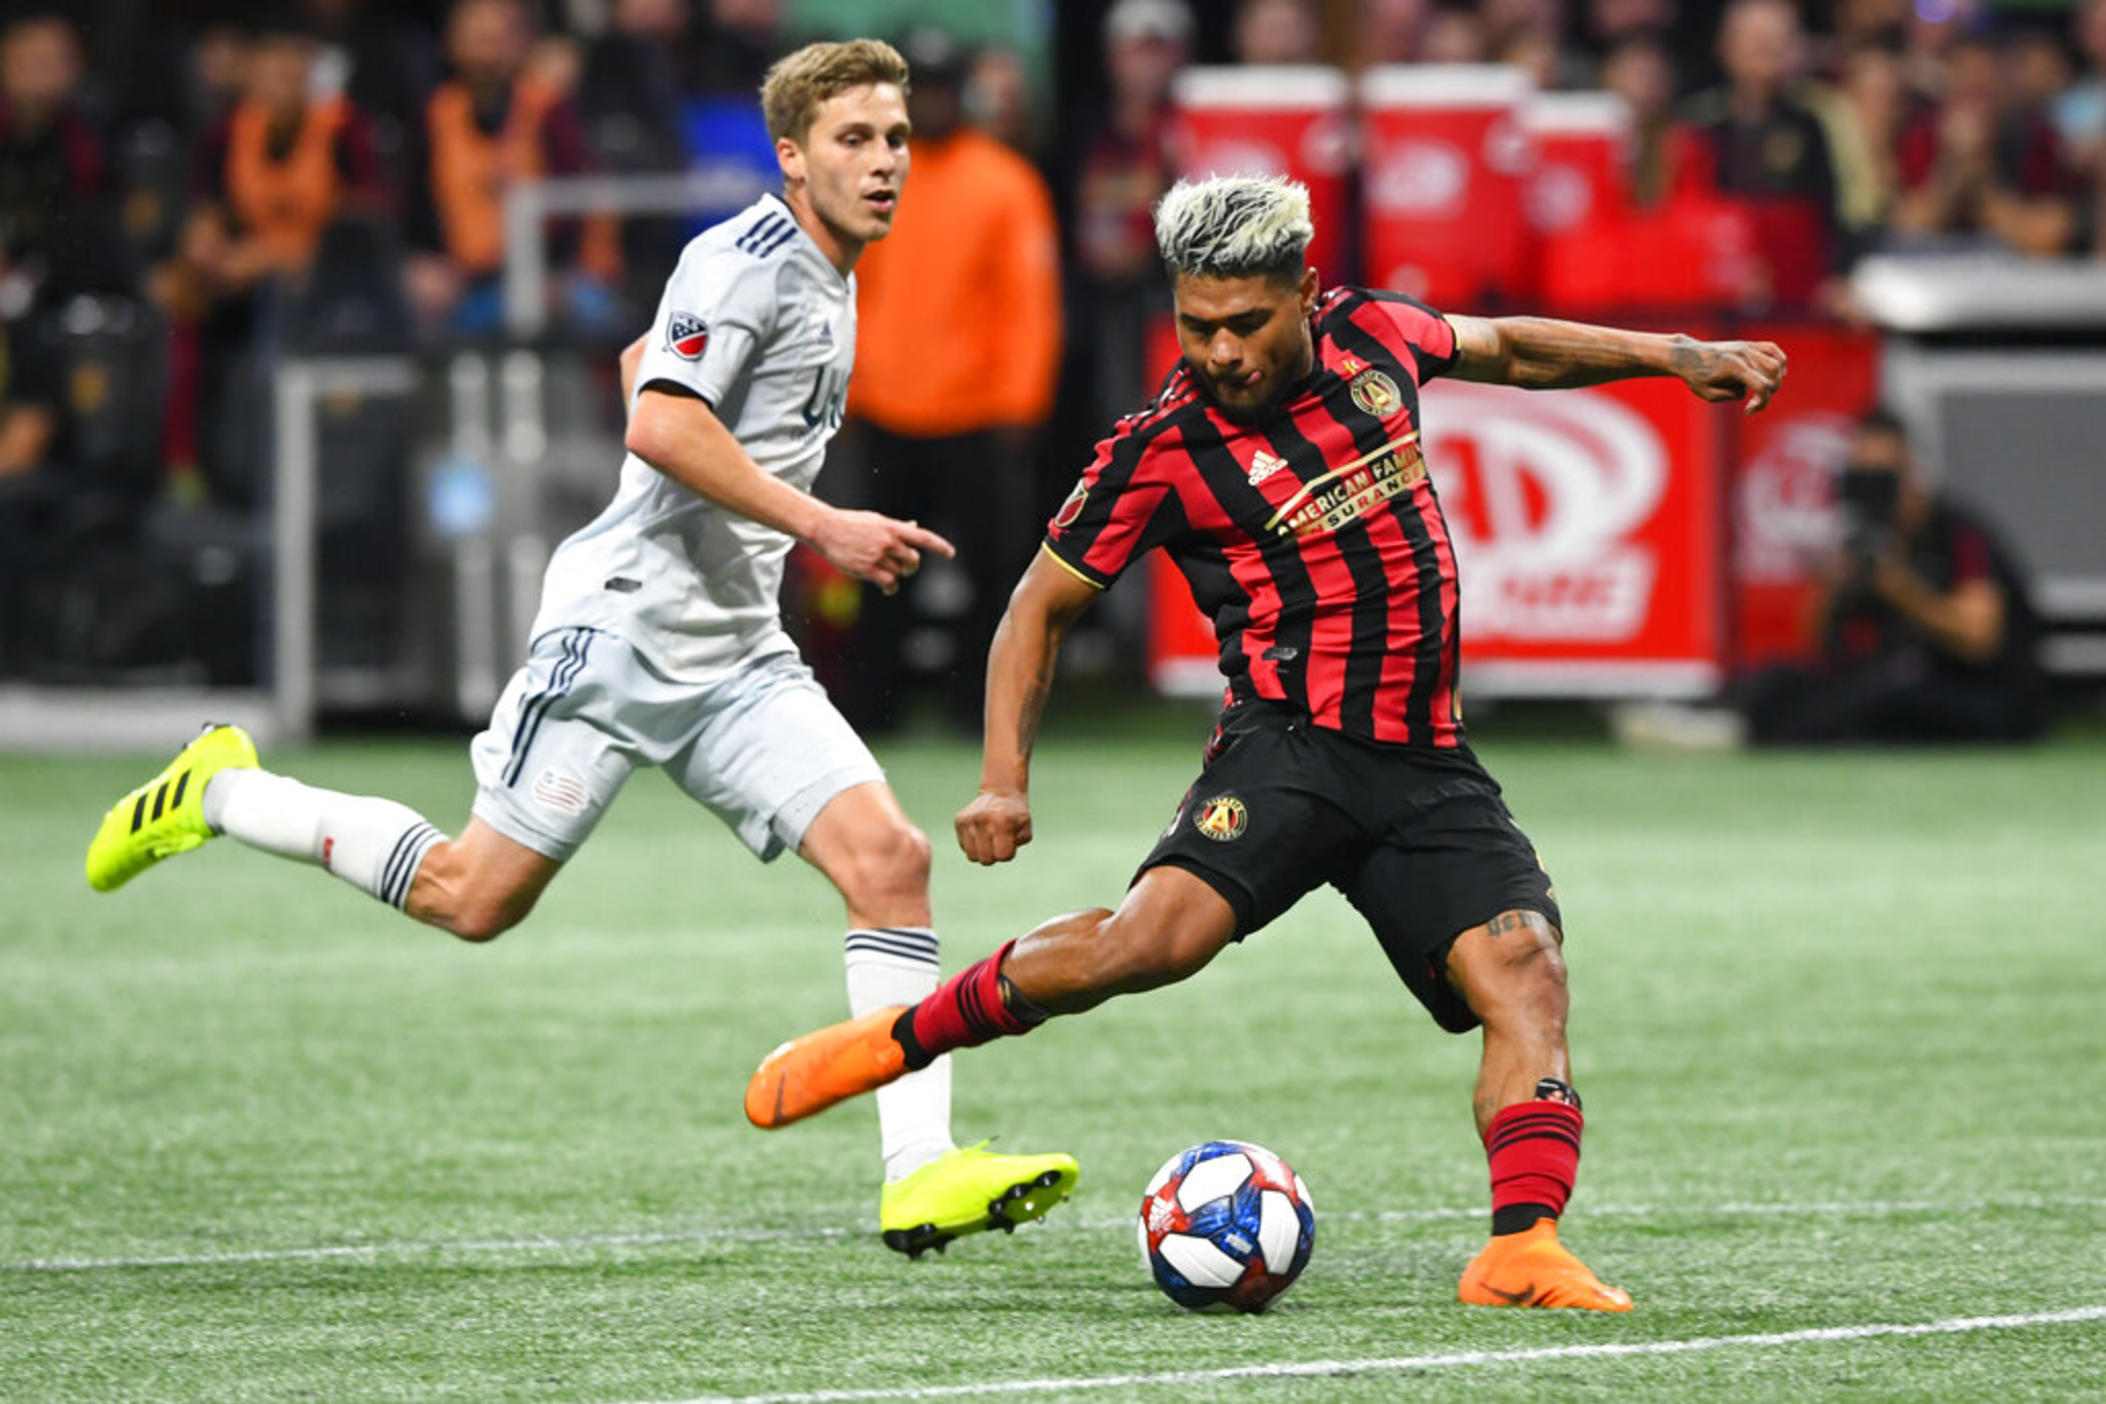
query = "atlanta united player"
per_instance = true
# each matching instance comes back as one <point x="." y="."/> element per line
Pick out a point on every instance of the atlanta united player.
<point x="1281" y="469"/>
<point x="659" y="640"/>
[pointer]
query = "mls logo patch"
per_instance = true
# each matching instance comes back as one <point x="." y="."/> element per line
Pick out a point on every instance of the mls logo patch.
<point x="1222" y="818"/>
<point x="686" y="335"/>
<point x="1376" y="393"/>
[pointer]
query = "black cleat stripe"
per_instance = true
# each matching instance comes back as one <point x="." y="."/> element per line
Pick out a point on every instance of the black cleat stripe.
<point x="139" y="812"/>
<point x="160" y="799"/>
<point x="182" y="783"/>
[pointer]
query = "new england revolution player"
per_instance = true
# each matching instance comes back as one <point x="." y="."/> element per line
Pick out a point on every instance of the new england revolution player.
<point x="659" y="641"/>
<point x="1281" y="469"/>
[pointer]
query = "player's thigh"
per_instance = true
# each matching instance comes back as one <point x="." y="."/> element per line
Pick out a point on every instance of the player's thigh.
<point x="771" y="755"/>
<point x="1263" y="824"/>
<point x="561" y="741"/>
<point x="1438" y="873"/>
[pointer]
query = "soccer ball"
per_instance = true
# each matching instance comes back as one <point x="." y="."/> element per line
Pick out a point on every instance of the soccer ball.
<point x="1226" y="1223"/>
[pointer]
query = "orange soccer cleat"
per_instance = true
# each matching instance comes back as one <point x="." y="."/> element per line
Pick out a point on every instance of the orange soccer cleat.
<point x="1533" y="1269"/>
<point x="807" y="1075"/>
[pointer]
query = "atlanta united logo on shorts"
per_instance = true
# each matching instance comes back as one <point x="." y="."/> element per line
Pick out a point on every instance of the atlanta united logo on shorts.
<point x="1072" y="508"/>
<point x="1222" y="818"/>
<point x="686" y="335"/>
<point x="1376" y="393"/>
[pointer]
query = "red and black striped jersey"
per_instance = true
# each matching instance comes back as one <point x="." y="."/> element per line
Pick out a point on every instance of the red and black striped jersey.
<point x="1312" y="538"/>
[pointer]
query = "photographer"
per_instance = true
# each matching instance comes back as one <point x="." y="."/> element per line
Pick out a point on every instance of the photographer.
<point x="1926" y="633"/>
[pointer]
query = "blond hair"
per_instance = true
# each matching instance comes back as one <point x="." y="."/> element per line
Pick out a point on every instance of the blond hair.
<point x="798" y="83"/>
<point x="1234" y="226"/>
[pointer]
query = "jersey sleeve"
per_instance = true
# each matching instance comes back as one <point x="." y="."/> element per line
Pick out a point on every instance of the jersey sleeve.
<point x="718" y="309"/>
<point x="1122" y="507"/>
<point x="1418" y="332"/>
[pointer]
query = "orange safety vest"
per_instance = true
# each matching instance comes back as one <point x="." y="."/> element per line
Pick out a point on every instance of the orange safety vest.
<point x="470" y="170"/>
<point x="958" y="309"/>
<point x="286" y="202"/>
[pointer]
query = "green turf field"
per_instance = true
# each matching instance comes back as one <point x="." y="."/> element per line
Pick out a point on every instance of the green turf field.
<point x="1840" y="1022"/>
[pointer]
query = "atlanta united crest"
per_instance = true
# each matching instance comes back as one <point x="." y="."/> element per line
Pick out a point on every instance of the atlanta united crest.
<point x="1222" y="818"/>
<point x="1376" y="393"/>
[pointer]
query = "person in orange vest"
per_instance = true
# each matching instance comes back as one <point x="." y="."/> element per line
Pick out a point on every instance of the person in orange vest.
<point x="960" y="329"/>
<point x="493" y="122"/>
<point x="267" y="180"/>
<point x="278" y="171"/>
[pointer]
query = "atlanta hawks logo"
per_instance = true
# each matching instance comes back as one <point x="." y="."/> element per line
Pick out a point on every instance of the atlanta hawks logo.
<point x="1376" y="393"/>
<point x="1222" y="818"/>
<point x="686" y="335"/>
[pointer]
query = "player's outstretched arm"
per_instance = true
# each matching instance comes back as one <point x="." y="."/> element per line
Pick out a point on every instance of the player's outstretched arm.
<point x="1045" y="603"/>
<point x="1542" y="353"/>
<point x="682" y="438"/>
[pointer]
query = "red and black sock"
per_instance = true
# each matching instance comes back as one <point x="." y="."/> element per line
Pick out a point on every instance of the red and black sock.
<point x="975" y="1006"/>
<point x="1534" y="1150"/>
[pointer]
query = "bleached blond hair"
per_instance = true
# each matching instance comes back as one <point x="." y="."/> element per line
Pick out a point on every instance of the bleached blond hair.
<point x="1235" y="226"/>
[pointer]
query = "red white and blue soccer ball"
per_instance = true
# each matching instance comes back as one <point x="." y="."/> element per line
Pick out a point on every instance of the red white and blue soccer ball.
<point x="1226" y="1223"/>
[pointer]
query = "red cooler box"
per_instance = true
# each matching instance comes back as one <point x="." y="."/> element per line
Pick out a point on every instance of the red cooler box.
<point x="1260" y="120"/>
<point x="1583" y="155"/>
<point x="1447" y="157"/>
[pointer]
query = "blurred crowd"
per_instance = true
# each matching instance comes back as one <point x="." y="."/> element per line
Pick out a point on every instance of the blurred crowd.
<point x="183" y="197"/>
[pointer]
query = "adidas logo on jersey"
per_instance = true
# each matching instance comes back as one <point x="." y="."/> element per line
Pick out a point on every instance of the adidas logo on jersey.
<point x="1263" y="465"/>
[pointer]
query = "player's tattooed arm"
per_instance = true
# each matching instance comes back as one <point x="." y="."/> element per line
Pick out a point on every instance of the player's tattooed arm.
<point x="1543" y="353"/>
<point x="1020" y="666"/>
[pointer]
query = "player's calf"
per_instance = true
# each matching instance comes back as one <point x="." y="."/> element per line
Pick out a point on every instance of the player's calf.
<point x="478" y="886"/>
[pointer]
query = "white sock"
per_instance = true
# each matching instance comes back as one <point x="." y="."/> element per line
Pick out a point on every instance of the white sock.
<point x="899" y="965"/>
<point x="375" y="845"/>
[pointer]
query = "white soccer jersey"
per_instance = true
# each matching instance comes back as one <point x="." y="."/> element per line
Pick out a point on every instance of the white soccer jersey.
<point x="762" y="327"/>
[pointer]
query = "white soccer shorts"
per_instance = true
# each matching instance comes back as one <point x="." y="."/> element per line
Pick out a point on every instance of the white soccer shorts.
<point x="764" y="748"/>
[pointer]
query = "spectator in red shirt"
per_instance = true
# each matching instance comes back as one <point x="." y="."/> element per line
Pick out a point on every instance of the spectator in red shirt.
<point x="1983" y="166"/>
<point x="1766" y="148"/>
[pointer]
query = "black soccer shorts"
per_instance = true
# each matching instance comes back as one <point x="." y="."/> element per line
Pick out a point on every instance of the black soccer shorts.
<point x="1419" y="841"/>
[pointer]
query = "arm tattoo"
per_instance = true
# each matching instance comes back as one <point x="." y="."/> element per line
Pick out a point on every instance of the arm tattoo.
<point x="1034" y="708"/>
<point x="1551" y="355"/>
<point x="1506" y="923"/>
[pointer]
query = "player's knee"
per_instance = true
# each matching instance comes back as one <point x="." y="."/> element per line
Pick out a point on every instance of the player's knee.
<point x="1516" y="972"/>
<point x="889" y="860"/>
<point x="478" y="922"/>
<point x="455" y="893"/>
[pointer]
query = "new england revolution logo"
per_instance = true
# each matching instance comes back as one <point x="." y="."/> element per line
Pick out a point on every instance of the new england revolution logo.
<point x="686" y="335"/>
<point x="1222" y="818"/>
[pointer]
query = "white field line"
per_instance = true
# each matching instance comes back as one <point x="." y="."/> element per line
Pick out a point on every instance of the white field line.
<point x="1323" y="1369"/>
<point x="401" y="1248"/>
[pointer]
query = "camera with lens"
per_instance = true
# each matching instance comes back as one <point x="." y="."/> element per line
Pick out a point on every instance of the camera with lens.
<point x="1869" y="501"/>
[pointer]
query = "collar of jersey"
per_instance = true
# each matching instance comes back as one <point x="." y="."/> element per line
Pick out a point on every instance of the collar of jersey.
<point x="804" y="238"/>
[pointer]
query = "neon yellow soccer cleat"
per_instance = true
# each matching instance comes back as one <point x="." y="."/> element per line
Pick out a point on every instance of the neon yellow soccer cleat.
<point x="969" y="1191"/>
<point x="166" y="815"/>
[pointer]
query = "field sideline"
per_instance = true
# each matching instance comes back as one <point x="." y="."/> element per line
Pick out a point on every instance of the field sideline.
<point x="1837" y="1020"/>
